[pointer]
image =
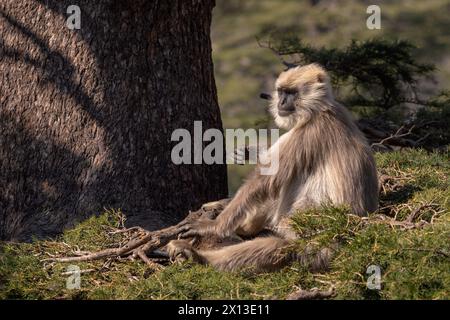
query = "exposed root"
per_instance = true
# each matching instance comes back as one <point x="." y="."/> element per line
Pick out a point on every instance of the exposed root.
<point x="143" y="242"/>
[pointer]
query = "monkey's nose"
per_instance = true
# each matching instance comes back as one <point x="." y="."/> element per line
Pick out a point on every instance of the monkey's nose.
<point x="289" y="107"/>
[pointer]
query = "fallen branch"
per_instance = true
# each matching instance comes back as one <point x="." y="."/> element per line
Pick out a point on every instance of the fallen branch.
<point x="398" y="138"/>
<point x="388" y="137"/>
<point x="407" y="224"/>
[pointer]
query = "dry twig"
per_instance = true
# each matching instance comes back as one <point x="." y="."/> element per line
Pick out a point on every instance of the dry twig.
<point x="397" y="138"/>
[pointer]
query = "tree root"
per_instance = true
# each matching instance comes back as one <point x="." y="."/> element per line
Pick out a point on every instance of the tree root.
<point x="143" y="242"/>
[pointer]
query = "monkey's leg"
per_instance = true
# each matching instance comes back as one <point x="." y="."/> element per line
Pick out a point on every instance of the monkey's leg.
<point x="259" y="254"/>
<point x="267" y="254"/>
<point x="182" y="250"/>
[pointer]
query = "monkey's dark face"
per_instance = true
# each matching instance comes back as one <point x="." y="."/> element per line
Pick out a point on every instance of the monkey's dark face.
<point x="286" y="101"/>
<point x="299" y="92"/>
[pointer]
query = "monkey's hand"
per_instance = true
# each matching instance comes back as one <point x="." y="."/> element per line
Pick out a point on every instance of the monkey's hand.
<point x="198" y="228"/>
<point x="248" y="154"/>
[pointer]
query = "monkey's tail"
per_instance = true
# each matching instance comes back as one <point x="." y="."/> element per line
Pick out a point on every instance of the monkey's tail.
<point x="265" y="254"/>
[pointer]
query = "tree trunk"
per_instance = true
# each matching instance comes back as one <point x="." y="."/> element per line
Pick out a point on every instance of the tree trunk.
<point x="87" y="115"/>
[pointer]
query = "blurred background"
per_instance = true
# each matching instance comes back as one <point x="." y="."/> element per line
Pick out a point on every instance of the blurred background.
<point x="244" y="69"/>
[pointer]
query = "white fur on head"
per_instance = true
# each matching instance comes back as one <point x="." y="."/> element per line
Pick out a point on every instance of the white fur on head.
<point x="313" y="84"/>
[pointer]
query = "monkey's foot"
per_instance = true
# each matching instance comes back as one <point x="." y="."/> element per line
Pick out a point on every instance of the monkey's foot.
<point x="182" y="250"/>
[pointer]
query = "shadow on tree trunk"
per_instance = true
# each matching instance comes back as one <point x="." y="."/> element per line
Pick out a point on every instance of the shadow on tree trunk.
<point x="87" y="115"/>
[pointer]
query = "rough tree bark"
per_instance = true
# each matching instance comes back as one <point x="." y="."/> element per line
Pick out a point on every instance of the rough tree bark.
<point x="86" y="116"/>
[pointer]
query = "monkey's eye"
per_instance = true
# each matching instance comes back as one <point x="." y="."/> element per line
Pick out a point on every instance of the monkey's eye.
<point x="290" y="91"/>
<point x="287" y="91"/>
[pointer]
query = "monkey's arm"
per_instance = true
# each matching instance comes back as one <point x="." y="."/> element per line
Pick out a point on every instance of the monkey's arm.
<point x="254" y="191"/>
<point x="250" y="154"/>
<point x="245" y="203"/>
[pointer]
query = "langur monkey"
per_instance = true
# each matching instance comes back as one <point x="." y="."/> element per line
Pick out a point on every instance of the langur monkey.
<point x="323" y="158"/>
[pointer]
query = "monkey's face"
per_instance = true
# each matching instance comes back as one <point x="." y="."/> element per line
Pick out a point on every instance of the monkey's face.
<point x="286" y="101"/>
<point x="299" y="93"/>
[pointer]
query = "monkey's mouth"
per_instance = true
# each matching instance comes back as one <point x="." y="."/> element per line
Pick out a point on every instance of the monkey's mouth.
<point x="285" y="113"/>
